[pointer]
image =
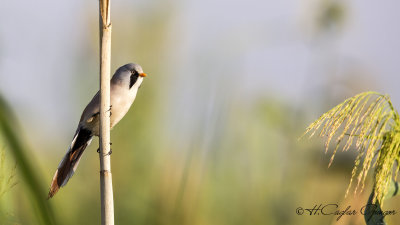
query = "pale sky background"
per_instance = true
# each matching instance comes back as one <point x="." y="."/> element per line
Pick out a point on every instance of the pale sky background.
<point x="266" y="48"/>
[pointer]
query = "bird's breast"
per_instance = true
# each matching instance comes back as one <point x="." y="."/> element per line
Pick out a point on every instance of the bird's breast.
<point x="120" y="105"/>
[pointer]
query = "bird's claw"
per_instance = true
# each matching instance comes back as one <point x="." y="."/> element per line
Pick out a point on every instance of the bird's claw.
<point x="109" y="110"/>
<point x="109" y="153"/>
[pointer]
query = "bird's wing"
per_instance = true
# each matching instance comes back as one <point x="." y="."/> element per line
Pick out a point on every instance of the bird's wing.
<point x="92" y="109"/>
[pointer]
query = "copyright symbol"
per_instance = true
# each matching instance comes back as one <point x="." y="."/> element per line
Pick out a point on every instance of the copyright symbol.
<point x="299" y="211"/>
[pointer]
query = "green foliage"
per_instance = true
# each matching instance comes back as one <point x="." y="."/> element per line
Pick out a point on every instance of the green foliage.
<point x="369" y="122"/>
<point x="26" y="165"/>
<point x="7" y="177"/>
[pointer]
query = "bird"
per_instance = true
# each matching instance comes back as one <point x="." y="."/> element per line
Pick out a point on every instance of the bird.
<point x="124" y="85"/>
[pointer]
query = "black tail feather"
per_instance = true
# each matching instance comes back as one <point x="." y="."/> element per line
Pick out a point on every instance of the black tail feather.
<point x="70" y="161"/>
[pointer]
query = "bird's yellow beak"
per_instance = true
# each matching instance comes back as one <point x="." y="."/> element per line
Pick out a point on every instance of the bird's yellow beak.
<point x="142" y="74"/>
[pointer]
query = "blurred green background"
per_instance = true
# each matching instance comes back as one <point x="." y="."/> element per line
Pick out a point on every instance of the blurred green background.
<point x="212" y="137"/>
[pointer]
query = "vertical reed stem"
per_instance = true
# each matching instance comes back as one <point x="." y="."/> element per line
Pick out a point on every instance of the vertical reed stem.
<point x="106" y="190"/>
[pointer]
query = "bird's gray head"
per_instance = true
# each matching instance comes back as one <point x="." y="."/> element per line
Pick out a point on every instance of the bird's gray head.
<point x="128" y="75"/>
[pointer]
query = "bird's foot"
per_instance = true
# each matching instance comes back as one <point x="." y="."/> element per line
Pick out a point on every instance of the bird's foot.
<point x="109" y="153"/>
<point x="109" y="109"/>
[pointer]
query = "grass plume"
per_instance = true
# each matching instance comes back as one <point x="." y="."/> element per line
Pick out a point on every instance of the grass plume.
<point x="369" y="122"/>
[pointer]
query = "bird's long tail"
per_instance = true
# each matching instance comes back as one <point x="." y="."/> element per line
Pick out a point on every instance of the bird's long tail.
<point x="70" y="162"/>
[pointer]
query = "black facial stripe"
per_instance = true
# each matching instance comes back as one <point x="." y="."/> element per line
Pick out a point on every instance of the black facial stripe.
<point x="133" y="80"/>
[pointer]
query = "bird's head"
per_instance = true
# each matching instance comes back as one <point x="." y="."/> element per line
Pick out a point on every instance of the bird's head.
<point x="130" y="75"/>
